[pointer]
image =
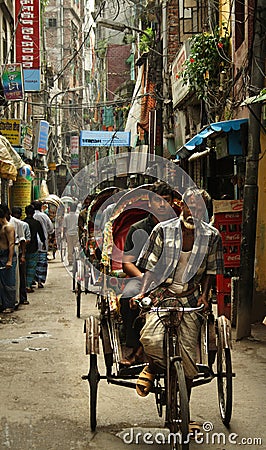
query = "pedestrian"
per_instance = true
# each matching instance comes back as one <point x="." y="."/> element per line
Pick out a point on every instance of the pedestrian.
<point x="160" y="200"/>
<point x="42" y="264"/>
<point x="180" y="259"/>
<point x="82" y="218"/>
<point x="7" y="263"/>
<point x="16" y="213"/>
<point x="36" y="231"/>
<point x="70" y="230"/>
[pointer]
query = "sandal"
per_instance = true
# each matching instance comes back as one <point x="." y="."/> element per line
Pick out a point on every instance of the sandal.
<point x="8" y="311"/>
<point x="144" y="382"/>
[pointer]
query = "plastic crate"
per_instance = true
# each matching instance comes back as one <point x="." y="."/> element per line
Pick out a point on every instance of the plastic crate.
<point x="223" y="284"/>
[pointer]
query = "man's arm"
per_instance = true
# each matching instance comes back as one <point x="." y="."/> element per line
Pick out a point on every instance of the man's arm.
<point x="206" y="284"/>
<point x="130" y="268"/>
<point x="10" y="234"/>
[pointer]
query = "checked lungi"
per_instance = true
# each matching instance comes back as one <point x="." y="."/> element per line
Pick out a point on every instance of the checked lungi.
<point x="42" y="266"/>
<point x="31" y="264"/>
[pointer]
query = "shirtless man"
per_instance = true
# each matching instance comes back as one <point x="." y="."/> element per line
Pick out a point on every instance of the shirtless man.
<point x="7" y="264"/>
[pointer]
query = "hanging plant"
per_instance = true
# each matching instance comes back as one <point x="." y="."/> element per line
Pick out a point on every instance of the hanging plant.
<point x="209" y="55"/>
<point x="146" y="40"/>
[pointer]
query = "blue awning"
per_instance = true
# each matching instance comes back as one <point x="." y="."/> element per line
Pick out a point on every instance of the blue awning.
<point x="216" y="127"/>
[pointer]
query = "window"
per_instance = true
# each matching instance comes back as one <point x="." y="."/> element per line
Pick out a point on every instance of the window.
<point x="240" y="23"/>
<point x="52" y="22"/>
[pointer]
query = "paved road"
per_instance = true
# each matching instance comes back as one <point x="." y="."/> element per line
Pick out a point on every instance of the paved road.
<point x="44" y="402"/>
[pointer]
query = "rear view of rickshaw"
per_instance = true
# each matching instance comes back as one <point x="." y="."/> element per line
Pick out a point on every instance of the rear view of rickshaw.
<point x="169" y="384"/>
<point x="87" y="256"/>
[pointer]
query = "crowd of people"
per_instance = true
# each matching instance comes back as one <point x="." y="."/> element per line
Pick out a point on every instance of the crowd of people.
<point x="23" y="253"/>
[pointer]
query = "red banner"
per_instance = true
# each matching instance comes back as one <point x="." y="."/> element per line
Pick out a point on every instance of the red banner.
<point x="27" y="13"/>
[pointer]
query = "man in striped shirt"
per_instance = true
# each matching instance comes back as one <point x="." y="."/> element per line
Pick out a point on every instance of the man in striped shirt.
<point x="180" y="259"/>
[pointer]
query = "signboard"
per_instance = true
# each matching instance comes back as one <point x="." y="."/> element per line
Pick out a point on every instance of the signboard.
<point x="21" y="193"/>
<point x="28" y="42"/>
<point x="42" y="143"/>
<point x="74" y="151"/>
<point x="104" y="138"/>
<point x="179" y="90"/>
<point x="10" y="129"/>
<point x="12" y="80"/>
<point x="230" y="206"/>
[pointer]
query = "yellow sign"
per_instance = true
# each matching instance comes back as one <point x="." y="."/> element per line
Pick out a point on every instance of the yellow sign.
<point x="21" y="193"/>
<point x="10" y="128"/>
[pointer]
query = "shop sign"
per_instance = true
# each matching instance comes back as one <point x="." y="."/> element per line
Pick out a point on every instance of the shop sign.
<point x="179" y="89"/>
<point x="21" y="192"/>
<point x="28" y="42"/>
<point x="104" y="138"/>
<point x="12" y="81"/>
<point x="11" y="130"/>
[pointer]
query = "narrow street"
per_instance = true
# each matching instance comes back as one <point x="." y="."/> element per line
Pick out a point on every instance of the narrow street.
<point x="45" y="403"/>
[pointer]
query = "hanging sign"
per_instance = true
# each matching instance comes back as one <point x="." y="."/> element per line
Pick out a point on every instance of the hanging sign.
<point x="28" y="42"/>
<point x="12" y="81"/>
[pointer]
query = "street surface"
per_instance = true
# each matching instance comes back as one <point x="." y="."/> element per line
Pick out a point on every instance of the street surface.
<point x="45" y="403"/>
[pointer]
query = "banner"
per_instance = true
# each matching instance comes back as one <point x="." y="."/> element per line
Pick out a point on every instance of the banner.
<point x="27" y="13"/>
<point x="12" y="81"/>
<point x="74" y="151"/>
<point x="104" y="138"/>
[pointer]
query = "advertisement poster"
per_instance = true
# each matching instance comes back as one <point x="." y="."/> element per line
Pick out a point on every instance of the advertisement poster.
<point x="12" y="81"/>
<point x="28" y="42"/>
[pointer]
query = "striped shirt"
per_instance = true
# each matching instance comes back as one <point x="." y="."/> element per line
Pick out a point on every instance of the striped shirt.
<point x="161" y="253"/>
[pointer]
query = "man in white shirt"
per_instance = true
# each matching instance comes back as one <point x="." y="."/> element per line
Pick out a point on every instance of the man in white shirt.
<point x="70" y="229"/>
<point x="48" y="228"/>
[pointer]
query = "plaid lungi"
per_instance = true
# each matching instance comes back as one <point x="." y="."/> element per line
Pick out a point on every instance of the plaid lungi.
<point x="42" y="266"/>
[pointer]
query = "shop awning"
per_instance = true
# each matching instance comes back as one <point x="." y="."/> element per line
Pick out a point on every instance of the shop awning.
<point x="217" y="127"/>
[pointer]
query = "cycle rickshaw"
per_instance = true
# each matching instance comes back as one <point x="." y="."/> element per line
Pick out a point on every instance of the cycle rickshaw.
<point x="87" y="256"/>
<point x="169" y="385"/>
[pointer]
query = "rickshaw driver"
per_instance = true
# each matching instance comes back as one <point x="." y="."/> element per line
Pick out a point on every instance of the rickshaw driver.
<point x="135" y="240"/>
<point x="189" y="253"/>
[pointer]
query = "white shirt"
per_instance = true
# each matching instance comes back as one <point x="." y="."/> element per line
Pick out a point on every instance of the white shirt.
<point x="71" y="223"/>
<point x="47" y="226"/>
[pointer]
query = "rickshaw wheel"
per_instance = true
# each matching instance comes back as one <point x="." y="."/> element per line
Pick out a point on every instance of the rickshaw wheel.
<point x="224" y="381"/>
<point x="78" y="298"/>
<point x="93" y="379"/>
<point x="178" y="408"/>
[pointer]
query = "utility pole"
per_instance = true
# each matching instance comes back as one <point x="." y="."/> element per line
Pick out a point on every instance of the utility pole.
<point x="246" y="275"/>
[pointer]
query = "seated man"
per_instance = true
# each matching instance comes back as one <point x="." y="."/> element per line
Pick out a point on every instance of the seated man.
<point x="181" y="256"/>
<point x="160" y="198"/>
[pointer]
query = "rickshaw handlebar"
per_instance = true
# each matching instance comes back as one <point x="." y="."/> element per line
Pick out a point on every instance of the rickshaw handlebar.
<point x="146" y="304"/>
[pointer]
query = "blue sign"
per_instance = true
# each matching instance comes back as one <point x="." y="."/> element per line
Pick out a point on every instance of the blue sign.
<point x="43" y="137"/>
<point x="104" y="138"/>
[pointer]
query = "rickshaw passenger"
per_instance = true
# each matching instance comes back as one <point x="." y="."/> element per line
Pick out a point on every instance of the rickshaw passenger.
<point x="135" y="240"/>
<point x="181" y="257"/>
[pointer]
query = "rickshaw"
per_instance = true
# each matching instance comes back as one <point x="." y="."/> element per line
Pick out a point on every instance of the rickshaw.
<point x="87" y="256"/>
<point x="54" y="204"/>
<point x="169" y="384"/>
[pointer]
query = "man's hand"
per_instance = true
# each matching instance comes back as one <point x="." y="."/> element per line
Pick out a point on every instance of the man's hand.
<point x="132" y="301"/>
<point x="8" y="264"/>
<point x="203" y="300"/>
